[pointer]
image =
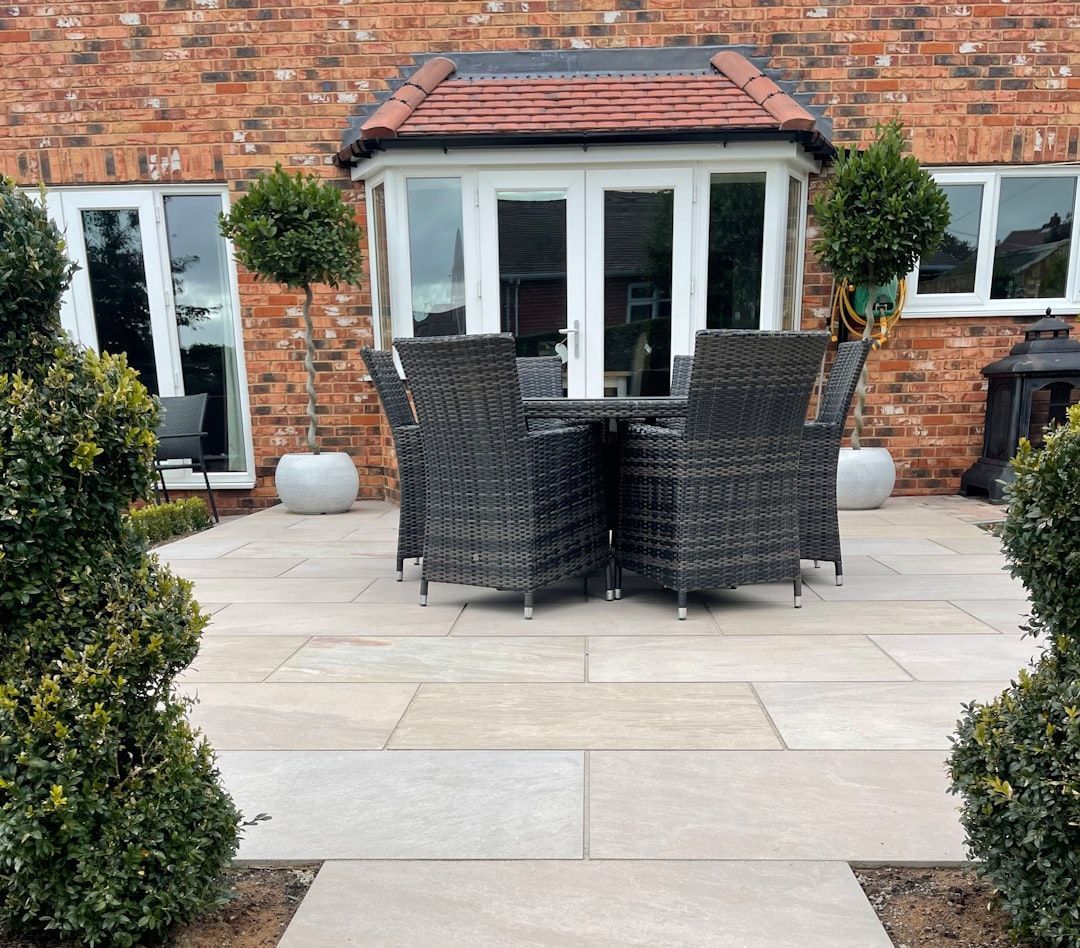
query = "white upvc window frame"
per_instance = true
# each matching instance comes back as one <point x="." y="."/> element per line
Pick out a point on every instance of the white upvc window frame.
<point x="779" y="160"/>
<point x="78" y="319"/>
<point x="979" y="302"/>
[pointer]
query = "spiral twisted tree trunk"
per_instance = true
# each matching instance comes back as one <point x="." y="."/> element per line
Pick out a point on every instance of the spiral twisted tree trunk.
<point x="860" y="389"/>
<point x="309" y="364"/>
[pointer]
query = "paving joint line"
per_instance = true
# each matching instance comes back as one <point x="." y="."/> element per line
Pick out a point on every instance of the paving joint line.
<point x="398" y="723"/>
<point x="768" y="717"/>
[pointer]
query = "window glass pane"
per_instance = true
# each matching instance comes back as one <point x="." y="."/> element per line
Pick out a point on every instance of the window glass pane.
<point x="437" y="256"/>
<point x="206" y="323"/>
<point x="952" y="268"/>
<point x="532" y="269"/>
<point x="791" y="253"/>
<point x="117" y="275"/>
<point x="638" y="236"/>
<point x="382" y="267"/>
<point x="1034" y="232"/>
<point x="736" y="232"/>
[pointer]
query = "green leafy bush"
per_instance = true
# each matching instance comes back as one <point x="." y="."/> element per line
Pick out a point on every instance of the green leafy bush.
<point x="1016" y="760"/>
<point x="159" y="523"/>
<point x="112" y="823"/>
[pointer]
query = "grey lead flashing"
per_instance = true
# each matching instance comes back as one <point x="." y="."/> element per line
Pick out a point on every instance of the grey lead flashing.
<point x="567" y="63"/>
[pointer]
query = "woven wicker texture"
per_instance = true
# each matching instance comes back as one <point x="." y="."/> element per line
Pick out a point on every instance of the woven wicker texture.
<point x="407" y="445"/>
<point x="180" y="433"/>
<point x="605" y="409"/>
<point x="506" y="507"/>
<point x="541" y="377"/>
<point x="819" y="530"/>
<point x="716" y="503"/>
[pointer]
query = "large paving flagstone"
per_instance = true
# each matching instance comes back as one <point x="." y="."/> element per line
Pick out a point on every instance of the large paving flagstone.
<point x="298" y="716"/>
<point x="408" y="804"/>
<point x="858" y="806"/>
<point x="585" y="716"/>
<point x="993" y="657"/>
<point x="740" y="658"/>
<point x="586" y="905"/>
<point x="880" y="715"/>
<point x="332" y="618"/>
<point x="850" y="618"/>
<point x="437" y="659"/>
<point x="240" y="658"/>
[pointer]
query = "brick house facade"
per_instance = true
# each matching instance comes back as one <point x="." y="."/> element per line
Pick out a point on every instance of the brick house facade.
<point x="165" y="92"/>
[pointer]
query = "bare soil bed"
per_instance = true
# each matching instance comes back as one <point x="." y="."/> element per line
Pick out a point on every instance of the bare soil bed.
<point x="263" y="903"/>
<point x="936" y="908"/>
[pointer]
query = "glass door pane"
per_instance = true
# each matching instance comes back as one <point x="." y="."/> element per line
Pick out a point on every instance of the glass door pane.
<point x="116" y="274"/>
<point x="736" y="239"/>
<point x="532" y="270"/>
<point x="638" y="288"/>
<point x="205" y="322"/>
<point x="639" y="227"/>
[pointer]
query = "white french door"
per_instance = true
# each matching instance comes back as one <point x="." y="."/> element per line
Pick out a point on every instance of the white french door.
<point x="155" y="281"/>
<point x="593" y="266"/>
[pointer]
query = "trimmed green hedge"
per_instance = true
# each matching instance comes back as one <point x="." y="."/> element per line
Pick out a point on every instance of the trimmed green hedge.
<point x="159" y="523"/>
<point x="1016" y="759"/>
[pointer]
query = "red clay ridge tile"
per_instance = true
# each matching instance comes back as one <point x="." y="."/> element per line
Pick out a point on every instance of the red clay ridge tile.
<point x="388" y="118"/>
<point x="787" y="112"/>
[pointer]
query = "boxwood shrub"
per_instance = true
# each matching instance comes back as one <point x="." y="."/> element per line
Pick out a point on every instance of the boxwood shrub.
<point x="159" y="523"/>
<point x="1016" y="760"/>
<point x="113" y="825"/>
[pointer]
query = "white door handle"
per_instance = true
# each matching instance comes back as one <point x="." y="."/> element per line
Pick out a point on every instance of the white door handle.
<point x="575" y="331"/>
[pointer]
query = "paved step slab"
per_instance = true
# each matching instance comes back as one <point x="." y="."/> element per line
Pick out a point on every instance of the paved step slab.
<point x="586" y="905"/>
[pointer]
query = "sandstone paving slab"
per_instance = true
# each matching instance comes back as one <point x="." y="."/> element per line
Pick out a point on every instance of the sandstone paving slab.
<point x="240" y="658"/>
<point x="315" y="549"/>
<point x="860" y="806"/>
<point x="634" y="587"/>
<point x="417" y="659"/>
<point x="280" y="589"/>
<point x="984" y="545"/>
<point x="850" y="618"/>
<point x="586" y="716"/>
<point x="967" y="586"/>
<point x="201" y="546"/>
<point x="641" y="614"/>
<point x="387" y="590"/>
<point x="994" y="657"/>
<point x="1006" y="615"/>
<point x="909" y="715"/>
<point x="298" y="716"/>
<point x="586" y="904"/>
<point x="882" y="547"/>
<point x="358" y="567"/>
<point x="222" y="568"/>
<point x="409" y="804"/>
<point x="209" y="608"/>
<point x="332" y="618"/>
<point x="853" y="566"/>
<point x="944" y="529"/>
<point x="963" y="563"/>
<point x="740" y="658"/>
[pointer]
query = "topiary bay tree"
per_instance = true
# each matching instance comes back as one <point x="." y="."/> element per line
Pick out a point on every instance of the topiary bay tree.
<point x="878" y="213"/>
<point x="113" y="825"/>
<point x="1016" y="759"/>
<point x="296" y="230"/>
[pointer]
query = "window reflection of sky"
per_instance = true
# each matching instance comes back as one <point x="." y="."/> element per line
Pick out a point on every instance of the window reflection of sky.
<point x="197" y="251"/>
<point x="434" y="233"/>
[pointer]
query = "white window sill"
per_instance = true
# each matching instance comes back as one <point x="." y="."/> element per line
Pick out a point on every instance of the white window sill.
<point x="1006" y="308"/>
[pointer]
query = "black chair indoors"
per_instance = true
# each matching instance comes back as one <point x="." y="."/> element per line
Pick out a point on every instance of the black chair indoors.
<point x="180" y="440"/>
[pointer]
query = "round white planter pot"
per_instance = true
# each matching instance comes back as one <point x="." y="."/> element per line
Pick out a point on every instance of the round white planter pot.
<point x="864" y="478"/>
<point x="317" y="483"/>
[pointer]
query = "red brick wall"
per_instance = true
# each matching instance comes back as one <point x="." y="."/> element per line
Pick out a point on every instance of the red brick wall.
<point x="118" y="91"/>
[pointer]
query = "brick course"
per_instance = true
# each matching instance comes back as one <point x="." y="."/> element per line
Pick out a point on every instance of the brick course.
<point x="122" y="91"/>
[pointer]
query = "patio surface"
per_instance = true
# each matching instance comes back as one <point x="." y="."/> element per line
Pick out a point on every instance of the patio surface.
<point x="603" y="774"/>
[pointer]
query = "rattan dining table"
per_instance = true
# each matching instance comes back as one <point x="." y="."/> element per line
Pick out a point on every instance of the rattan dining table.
<point x="641" y="408"/>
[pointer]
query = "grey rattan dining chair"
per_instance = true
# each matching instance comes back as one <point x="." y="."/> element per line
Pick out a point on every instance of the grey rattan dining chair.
<point x="819" y="529"/>
<point x="410" y="452"/>
<point x="681" y="368"/>
<point x="716" y="504"/>
<point x="180" y="440"/>
<point x="541" y="377"/>
<point x="507" y="507"/>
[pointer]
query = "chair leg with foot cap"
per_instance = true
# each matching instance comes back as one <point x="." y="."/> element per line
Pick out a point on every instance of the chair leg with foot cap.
<point x="400" y="569"/>
<point x="682" y="604"/>
<point x="798" y="592"/>
<point x="839" y="572"/>
<point x="609" y="575"/>
<point x="423" y="592"/>
<point x="618" y="581"/>
<point x="528" y="605"/>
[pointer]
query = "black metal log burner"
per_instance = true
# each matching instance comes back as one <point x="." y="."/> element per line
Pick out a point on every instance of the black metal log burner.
<point x="1028" y="389"/>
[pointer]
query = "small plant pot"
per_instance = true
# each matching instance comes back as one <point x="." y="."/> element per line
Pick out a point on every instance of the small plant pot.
<point x="864" y="478"/>
<point x="317" y="483"/>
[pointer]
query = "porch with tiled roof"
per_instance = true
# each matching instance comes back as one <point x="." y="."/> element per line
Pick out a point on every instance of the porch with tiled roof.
<point x="602" y="773"/>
